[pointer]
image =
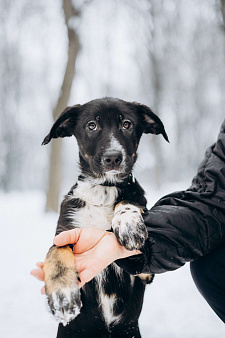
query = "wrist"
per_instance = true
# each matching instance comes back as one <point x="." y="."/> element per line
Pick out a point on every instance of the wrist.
<point x="127" y="253"/>
<point x="122" y="252"/>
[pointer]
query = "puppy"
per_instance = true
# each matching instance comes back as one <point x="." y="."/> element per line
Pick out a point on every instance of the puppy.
<point x="105" y="196"/>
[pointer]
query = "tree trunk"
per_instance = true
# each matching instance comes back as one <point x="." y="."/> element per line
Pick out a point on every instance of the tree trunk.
<point x="222" y="2"/>
<point x="55" y="168"/>
<point x="155" y="12"/>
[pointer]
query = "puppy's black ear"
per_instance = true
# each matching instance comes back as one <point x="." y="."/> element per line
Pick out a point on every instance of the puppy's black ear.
<point x="64" y="125"/>
<point x="151" y="122"/>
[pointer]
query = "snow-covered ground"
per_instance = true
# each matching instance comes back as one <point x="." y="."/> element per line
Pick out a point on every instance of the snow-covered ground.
<point x="173" y="308"/>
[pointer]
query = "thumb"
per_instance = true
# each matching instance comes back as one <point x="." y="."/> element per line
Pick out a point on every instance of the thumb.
<point x="68" y="237"/>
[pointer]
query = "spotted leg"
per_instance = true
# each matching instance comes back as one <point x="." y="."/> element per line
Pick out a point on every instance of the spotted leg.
<point x="130" y="230"/>
<point x="128" y="225"/>
<point x="61" y="284"/>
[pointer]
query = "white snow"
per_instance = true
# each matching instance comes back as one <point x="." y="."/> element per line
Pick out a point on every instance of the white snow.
<point x="172" y="307"/>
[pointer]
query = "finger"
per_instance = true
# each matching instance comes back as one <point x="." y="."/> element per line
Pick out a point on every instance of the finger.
<point x="80" y="265"/>
<point x="40" y="265"/>
<point x="39" y="274"/>
<point x="67" y="237"/>
<point x="89" y="239"/>
<point x="43" y="291"/>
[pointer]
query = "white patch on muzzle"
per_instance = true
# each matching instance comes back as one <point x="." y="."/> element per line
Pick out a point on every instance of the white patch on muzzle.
<point x="115" y="145"/>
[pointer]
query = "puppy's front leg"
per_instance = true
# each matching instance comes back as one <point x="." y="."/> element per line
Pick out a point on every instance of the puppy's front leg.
<point x="130" y="230"/>
<point x="61" y="284"/>
<point x="128" y="225"/>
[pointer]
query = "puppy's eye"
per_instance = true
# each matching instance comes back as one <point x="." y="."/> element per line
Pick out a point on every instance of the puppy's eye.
<point x="91" y="125"/>
<point x="127" y="124"/>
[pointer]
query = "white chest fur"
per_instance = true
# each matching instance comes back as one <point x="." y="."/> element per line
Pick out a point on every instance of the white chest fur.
<point x="99" y="205"/>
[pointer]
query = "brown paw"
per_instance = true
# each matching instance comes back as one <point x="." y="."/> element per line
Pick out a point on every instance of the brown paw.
<point x="61" y="284"/>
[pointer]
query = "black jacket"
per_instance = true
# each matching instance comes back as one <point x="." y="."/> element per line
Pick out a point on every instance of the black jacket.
<point x="188" y="224"/>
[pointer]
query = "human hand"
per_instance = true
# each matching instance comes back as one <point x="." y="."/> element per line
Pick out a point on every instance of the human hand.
<point x="94" y="250"/>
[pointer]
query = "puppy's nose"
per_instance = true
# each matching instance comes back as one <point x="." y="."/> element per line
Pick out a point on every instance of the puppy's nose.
<point x="112" y="158"/>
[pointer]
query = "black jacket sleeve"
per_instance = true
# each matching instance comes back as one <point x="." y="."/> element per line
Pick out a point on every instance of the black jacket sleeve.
<point x="188" y="224"/>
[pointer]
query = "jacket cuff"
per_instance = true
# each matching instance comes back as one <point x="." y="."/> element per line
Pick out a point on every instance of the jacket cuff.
<point x="137" y="264"/>
<point x="133" y="265"/>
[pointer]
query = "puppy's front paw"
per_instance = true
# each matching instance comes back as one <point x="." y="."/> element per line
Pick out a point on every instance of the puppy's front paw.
<point x="61" y="284"/>
<point x="128" y="226"/>
<point x="64" y="303"/>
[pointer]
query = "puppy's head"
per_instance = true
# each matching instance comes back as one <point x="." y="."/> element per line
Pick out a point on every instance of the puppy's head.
<point x="108" y="132"/>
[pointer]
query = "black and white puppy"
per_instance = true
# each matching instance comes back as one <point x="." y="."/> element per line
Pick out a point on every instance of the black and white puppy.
<point x="105" y="196"/>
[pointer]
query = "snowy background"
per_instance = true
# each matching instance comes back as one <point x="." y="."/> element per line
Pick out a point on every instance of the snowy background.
<point x="168" y="54"/>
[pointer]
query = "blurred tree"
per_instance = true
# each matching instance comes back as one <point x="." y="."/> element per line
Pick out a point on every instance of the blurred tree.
<point x="55" y="167"/>
<point x="9" y="95"/>
<point x="223" y="11"/>
<point x="155" y="50"/>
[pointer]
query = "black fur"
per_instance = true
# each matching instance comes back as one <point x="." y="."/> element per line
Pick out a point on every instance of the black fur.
<point x="108" y="132"/>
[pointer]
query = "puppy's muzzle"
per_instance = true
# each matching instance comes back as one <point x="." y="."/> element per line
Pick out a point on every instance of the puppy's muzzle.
<point x="112" y="160"/>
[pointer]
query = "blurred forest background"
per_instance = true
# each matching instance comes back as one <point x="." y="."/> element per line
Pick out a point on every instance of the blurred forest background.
<point x="168" y="54"/>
